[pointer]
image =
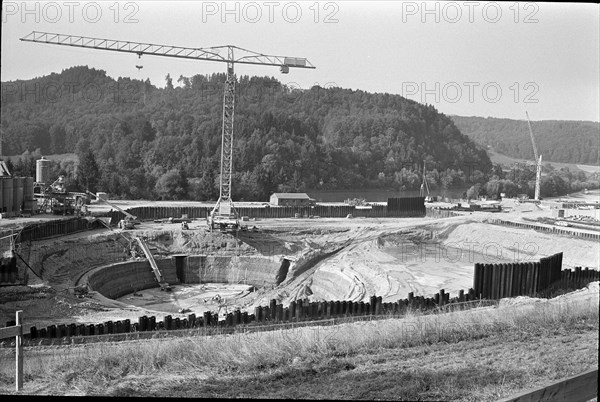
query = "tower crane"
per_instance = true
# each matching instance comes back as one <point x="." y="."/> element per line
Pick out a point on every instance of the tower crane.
<point x="425" y="186"/>
<point x="538" y="162"/>
<point x="223" y="215"/>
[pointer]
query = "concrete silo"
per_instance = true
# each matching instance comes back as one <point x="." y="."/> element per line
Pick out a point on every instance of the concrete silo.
<point x="42" y="171"/>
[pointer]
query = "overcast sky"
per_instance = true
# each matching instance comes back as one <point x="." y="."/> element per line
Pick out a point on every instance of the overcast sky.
<point x="465" y="58"/>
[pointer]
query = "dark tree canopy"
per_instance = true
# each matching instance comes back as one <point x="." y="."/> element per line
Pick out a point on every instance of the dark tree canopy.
<point x="557" y="140"/>
<point x="135" y="140"/>
<point x="88" y="173"/>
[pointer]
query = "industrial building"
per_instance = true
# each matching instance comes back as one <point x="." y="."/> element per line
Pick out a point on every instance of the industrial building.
<point x="23" y="196"/>
<point x="16" y="194"/>
<point x="290" y="199"/>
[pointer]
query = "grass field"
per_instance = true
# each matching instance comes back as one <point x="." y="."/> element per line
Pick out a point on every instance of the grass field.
<point x="477" y="355"/>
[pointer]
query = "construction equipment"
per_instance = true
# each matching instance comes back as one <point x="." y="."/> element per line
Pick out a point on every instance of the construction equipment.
<point x="4" y="169"/>
<point x="81" y="291"/>
<point x="224" y="215"/>
<point x="159" y="278"/>
<point x="126" y="223"/>
<point x="425" y="186"/>
<point x="538" y="161"/>
<point x="62" y="202"/>
<point x="56" y="199"/>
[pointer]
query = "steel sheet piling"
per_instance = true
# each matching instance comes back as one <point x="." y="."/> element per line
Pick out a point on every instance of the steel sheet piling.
<point x="533" y="274"/>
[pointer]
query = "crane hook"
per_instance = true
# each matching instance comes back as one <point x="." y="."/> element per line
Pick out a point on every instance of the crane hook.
<point x="139" y="66"/>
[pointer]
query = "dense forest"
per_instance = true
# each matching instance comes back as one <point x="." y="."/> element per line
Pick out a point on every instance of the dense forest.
<point x="135" y="140"/>
<point x="557" y="140"/>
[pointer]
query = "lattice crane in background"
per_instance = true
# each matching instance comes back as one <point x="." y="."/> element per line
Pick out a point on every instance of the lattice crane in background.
<point x="223" y="215"/>
<point x="538" y="162"/>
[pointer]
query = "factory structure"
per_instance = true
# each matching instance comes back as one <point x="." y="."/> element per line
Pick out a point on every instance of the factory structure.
<point x="16" y="194"/>
<point x="290" y="199"/>
<point x="24" y="196"/>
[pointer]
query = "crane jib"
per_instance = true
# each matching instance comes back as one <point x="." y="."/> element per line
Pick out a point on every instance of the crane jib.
<point x="208" y="54"/>
<point x="224" y="214"/>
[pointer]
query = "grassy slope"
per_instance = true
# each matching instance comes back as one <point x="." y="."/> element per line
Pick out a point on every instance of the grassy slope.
<point x="484" y="369"/>
<point x="478" y="355"/>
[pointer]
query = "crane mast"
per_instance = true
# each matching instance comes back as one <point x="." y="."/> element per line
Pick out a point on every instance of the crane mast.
<point x="224" y="212"/>
<point x="538" y="162"/>
<point x="223" y="215"/>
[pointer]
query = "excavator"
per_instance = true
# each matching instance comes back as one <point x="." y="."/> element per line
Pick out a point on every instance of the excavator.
<point x="164" y="286"/>
<point x="128" y="222"/>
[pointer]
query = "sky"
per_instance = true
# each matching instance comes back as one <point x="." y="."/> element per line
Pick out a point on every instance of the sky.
<point x="488" y="59"/>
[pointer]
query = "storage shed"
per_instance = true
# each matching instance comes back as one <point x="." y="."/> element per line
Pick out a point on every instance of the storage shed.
<point x="289" y="199"/>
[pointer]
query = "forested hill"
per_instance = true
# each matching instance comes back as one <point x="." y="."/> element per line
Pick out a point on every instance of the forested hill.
<point x="557" y="140"/>
<point x="146" y="139"/>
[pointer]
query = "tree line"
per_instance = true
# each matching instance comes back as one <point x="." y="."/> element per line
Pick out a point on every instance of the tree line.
<point x="134" y="140"/>
<point x="520" y="180"/>
<point x="557" y="140"/>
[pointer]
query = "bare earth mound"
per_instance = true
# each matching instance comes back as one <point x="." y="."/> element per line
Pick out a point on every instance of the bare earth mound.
<point x="329" y="259"/>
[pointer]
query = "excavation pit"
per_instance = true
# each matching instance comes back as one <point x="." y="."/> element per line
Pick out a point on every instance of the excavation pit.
<point x="198" y="283"/>
<point x="187" y="299"/>
<point x="327" y="259"/>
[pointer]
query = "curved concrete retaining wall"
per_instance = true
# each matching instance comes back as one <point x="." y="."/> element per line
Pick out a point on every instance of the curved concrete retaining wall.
<point x="116" y="280"/>
<point x="57" y="227"/>
<point x="255" y="271"/>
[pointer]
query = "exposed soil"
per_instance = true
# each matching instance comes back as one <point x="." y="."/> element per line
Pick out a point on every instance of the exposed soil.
<point x="330" y="259"/>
